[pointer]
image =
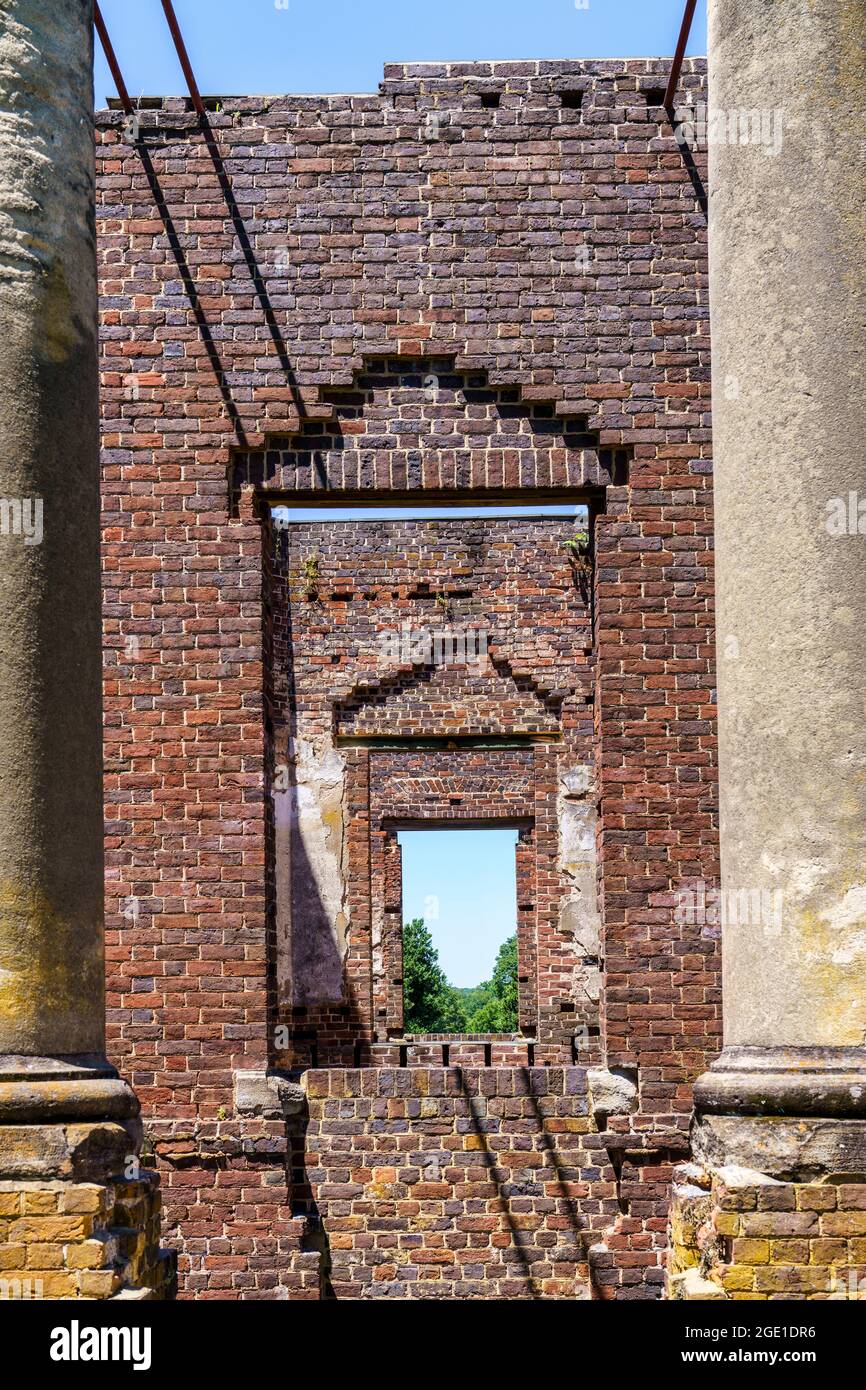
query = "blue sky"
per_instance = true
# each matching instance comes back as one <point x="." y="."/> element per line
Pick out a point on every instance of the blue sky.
<point x="463" y="883"/>
<point x="428" y="513"/>
<point x="252" y="46"/>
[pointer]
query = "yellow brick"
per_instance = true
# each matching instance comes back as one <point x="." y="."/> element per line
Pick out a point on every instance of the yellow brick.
<point x="10" y="1203"/>
<point x="83" y="1200"/>
<point x="789" y="1278"/>
<point x="42" y="1256"/>
<point x="89" y="1254"/>
<point x="815" y="1197"/>
<point x="740" y="1199"/>
<point x="12" y="1256"/>
<point x="40" y="1203"/>
<point x="525" y="1221"/>
<point x="738" y="1277"/>
<point x="24" y="1284"/>
<point x="751" y="1252"/>
<point x="99" y="1283"/>
<point x="726" y="1223"/>
<point x="828" y="1252"/>
<point x="56" y="1285"/>
<point x="50" y="1228"/>
<point x="789" y="1252"/>
<point x="843" y="1223"/>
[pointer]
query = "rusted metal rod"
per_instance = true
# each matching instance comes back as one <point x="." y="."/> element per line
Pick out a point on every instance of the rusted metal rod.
<point x="673" y="80"/>
<point x="111" y="59"/>
<point x="182" y="54"/>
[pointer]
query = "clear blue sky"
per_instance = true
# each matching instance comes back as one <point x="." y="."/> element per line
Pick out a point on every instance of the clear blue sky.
<point x="252" y="46"/>
<point x="427" y="513"/>
<point x="464" y="884"/>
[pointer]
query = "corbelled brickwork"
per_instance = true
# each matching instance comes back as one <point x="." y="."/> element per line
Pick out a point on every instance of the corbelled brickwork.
<point x="403" y="294"/>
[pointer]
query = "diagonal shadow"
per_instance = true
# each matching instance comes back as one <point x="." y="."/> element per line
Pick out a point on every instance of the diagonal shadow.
<point x="584" y="1237"/>
<point x="191" y="291"/>
<point x="489" y="1158"/>
<point x="252" y="264"/>
<point x="692" y="169"/>
<point x="697" y="181"/>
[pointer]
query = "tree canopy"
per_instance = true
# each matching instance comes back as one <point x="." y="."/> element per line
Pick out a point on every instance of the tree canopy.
<point x="432" y="1005"/>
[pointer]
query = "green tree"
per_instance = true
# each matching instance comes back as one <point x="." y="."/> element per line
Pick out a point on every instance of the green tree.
<point x="430" y="1003"/>
<point x="496" y="1011"/>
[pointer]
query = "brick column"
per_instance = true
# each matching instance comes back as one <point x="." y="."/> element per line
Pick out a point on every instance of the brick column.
<point x="68" y="1125"/>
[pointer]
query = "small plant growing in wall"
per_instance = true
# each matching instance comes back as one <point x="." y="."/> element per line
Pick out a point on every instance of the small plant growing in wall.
<point x="443" y="603"/>
<point x="578" y="544"/>
<point x="310" y="578"/>
<point x="577" y="548"/>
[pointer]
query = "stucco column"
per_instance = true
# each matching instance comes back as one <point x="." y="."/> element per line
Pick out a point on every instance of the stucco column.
<point x="786" y="144"/>
<point x="52" y="1008"/>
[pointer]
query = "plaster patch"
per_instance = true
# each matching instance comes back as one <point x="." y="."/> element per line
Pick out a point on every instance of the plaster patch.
<point x="851" y="911"/>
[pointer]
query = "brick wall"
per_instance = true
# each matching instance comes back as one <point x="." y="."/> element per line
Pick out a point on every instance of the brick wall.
<point x="464" y="646"/>
<point x="738" y="1234"/>
<point x="551" y="258"/>
<point x="457" y="1183"/>
<point x="88" y="1240"/>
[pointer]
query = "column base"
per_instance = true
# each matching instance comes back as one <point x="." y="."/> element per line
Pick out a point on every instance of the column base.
<point x="774" y="1204"/>
<point x="79" y="1216"/>
<point x="797" y="1114"/>
<point x="66" y="1118"/>
<point x="821" y="1081"/>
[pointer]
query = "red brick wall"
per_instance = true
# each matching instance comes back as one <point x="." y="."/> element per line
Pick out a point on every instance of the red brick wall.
<point x="337" y="679"/>
<point x="458" y="1183"/>
<point x="233" y="329"/>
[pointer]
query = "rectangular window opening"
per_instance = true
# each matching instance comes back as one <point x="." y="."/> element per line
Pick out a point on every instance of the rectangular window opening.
<point x="460" y="948"/>
<point x="424" y="510"/>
